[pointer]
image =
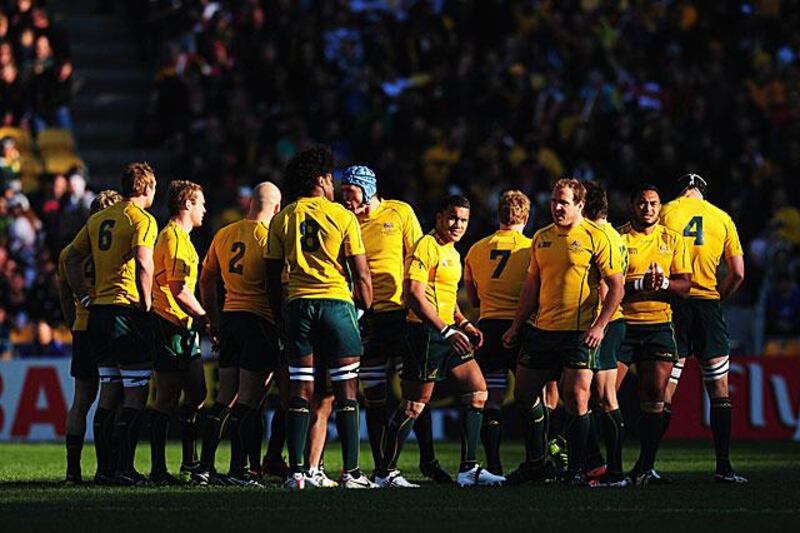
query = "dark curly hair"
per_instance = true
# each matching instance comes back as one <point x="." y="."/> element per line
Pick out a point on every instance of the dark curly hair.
<point x="304" y="168"/>
<point x="596" y="201"/>
<point x="455" y="200"/>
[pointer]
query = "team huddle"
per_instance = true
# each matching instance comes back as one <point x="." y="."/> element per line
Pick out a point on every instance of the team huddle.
<point x="327" y="300"/>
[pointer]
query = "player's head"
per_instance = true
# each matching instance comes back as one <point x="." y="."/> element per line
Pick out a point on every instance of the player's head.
<point x="566" y="202"/>
<point x="692" y="181"/>
<point x="186" y="196"/>
<point x="266" y="197"/>
<point x="312" y="169"/>
<point x="645" y="202"/>
<point x="514" y="208"/>
<point x="452" y="218"/>
<point x="138" y="179"/>
<point x="596" y="202"/>
<point x="104" y="199"/>
<point x="359" y="186"/>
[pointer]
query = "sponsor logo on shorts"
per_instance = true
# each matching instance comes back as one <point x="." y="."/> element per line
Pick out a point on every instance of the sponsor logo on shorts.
<point x="544" y="244"/>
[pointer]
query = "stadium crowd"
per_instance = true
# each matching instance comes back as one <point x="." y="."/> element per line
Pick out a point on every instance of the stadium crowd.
<point x="442" y="96"/>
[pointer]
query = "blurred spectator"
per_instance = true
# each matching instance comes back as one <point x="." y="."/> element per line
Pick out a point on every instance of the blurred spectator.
<point x="783" y="308"/>
<point x="44" y="343"/>
<point x="10" y="161"/>
<point x="6" y="348"/>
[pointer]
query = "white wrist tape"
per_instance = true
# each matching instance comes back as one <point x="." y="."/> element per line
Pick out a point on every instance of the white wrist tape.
<point x="665" y="284"/>
<point x="359" y="313"/>
<point x="86" y="300"/>
<point x="638" y="284"/>
<point x="449" y="331"/>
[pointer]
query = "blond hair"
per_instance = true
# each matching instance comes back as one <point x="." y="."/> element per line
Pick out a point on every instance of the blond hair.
<point x="513" y="208"/>
<point x="136" y="177"/>
<point x="180" y="192"/>
<point x="105" y="199"/>
<point x="578" y="190"/>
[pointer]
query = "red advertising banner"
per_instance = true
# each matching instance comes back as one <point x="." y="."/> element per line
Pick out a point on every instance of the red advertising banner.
<point x="765" y="395"/>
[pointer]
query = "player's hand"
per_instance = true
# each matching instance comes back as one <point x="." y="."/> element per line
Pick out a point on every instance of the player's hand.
<point x="475" y="335"/>
<point x="510" y="338"/>
<point x="594" y="336"/>
<point x="659" y="278"/>
<point x="649" y="280"/>
<point x="458" y="340"/>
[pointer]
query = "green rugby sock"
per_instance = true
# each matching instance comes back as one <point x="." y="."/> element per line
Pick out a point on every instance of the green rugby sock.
<point x="667" y="418"/>
<point x="650" y="426"/>
<point x="159" y="424"/>
<point x="491" y="435"/>
<point x="250" y="435"/>
<point x="376" y="427"/>
<point x="577" y="440"/>
<point x="277" y="434"/>
<point x="347" y="424"/>
<point x="74" y="448"/>
<point x="216" y="418"/>
<point x="238" y="453"/>
<point x="423" y="430"/>
<point x="594" y="457"/>
<point x="298" y="416"/>
<point x="533" y="420"/>
<point x="614" y="434"/>
<point x="397" y="431"/>
<point x="103" y="428"/>
<point x="721" y="430"/>
<point x="187" y="417"/>
<point x="128" y="438"/>
<point x="471" y="422"/>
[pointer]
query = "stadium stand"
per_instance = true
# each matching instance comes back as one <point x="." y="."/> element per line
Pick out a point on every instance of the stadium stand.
<point x="436" y="96"/>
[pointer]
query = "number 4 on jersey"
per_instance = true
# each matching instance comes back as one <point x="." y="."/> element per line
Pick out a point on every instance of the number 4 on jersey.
<point x="695" y="229"/>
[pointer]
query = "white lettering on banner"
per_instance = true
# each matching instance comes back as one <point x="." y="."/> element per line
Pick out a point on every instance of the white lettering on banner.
<point x="756" y="386"/>
<point x="782" y="401"/>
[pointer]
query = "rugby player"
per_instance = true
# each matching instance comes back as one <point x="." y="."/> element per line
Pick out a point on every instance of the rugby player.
<point x="176" y="319"/>
<point x="494" y="271"/>
<point x="604" y="381"/>
<point x="120" y="242"/>
<point x="658" y="270"/>
<point x="390" y="230"/>
<point x="710" y="235"/>
<point x="441" y="342"/>
<point x="568" y="260"/>
<point x="318" y="242"/>
<point x="248" y="337"/>
<point x="82" y="367"/>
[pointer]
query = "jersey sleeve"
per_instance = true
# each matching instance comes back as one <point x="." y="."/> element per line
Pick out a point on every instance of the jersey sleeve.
<point x="533" y="266"/>
<point x="274" y="249"/>
<point x="353" y="243"/>
<point x="211" y="261"/>
<point x="144" y="231"/>
<point x="412" y="231"/>
<point x="423" y="259"/>
<point x="81" y="241"/>
<point x="733" y="247"/>
<point x="681" y="263"/>
<point x="606" y="259"/>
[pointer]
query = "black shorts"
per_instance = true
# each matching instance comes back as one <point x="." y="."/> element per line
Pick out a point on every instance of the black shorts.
<point x="608" y="352"/>
<point x="384" y="336"/>
<point x="700" y="328"/>
<point x="120" y="334"/>
<point x="648" y="342"/>
<point x="493" y="357"/>
<point x="82" y="365"/>
<point x="554" y="350"/>
<point x="249" y="341"/>
<point x="175" y="347"/>
<point x="430" y="357"/>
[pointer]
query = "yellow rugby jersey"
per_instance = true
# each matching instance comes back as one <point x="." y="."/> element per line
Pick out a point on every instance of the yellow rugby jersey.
<point x="81" y="313"/>
<point x="175" y="259"/>
<point x="389" y="234"/>
<point x="110" y="236"/>
<point x="709" y="234"/>
<point x="498" y="264"/>
<point x="570" y="266"/>
<point x="666" y="248"/>
<point x="237" y="254"/>
<point x="617" y="244"/>
<point x="439" y="266"/>
<point x="313" y="236"/>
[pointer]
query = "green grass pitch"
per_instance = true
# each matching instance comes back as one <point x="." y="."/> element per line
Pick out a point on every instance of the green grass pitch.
<point x="31" y="498"/>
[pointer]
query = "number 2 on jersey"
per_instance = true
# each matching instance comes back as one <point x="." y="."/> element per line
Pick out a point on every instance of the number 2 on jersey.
<point x="234" y="266"/>
<point x="695" y="229"/>
<point x="309" y="230"/>
<point x="504" y="256"/>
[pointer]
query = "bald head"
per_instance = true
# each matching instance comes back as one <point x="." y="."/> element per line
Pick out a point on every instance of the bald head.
<point x="266" y="201"/>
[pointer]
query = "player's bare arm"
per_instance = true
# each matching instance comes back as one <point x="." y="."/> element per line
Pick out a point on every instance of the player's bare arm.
<point x="362" y="281"/>
<point x="143" y="257"/>
<point x="472" y="288"/>
<point x="275" y="287"/>
<point x="616" y="291"/>
<point x="66" y="301"/>
<point x="209" y="280"/>
<point x="415" y="296"/>
<point x="73" y="264"/>
<point x="528" y="302"/>
<point x="733" y="278"/>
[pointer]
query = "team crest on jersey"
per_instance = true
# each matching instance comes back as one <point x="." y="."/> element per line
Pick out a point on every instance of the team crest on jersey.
<point x="446" y="263"/>
<point x="663" y="249"/>
<point x="632" y="251"/>
<point x="544" y="244"/>
<point x="388" y="227"/>
<point x="575" y="246"/>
